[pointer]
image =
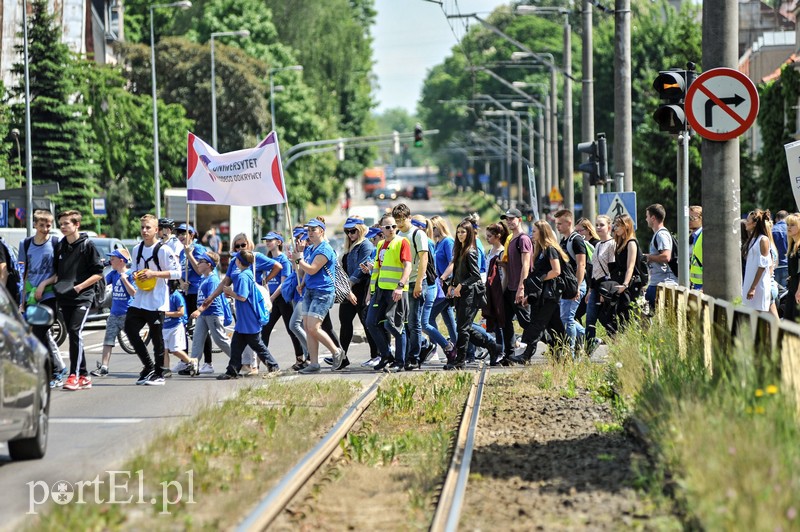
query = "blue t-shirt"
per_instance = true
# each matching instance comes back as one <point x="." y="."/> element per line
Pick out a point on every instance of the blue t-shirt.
<point x="481" y="255"/>
<point x="207" y="287"/>
<point x="275" y="283"/>
<point x="264" y="266"/>
<point x="194" y="278"/>
<point x="38" y="264"/>
<point x="247" y="316"/>
<point x="120" y="298"/>
<point x="176" y="301"/>
<point x="444" y="254"/>
<point x="322" y="280"/>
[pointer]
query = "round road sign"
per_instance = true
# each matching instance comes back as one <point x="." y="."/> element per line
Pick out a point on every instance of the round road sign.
<point x="721" y="104"/>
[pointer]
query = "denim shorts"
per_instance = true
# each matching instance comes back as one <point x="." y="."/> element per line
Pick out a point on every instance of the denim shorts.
<point x="114" y="324"/>
<point x="317" y="303"/>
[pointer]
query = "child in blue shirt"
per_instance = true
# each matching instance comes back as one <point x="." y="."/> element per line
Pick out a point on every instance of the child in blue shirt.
<point x="120" y="279"/>
<point x="175" y="330"/>
<point x="251" y="315"/>
<point x="211" y="320"/>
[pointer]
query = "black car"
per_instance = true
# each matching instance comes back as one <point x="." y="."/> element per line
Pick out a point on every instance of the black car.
<point x="421" y="192"/>
<point x="25" y="369"/>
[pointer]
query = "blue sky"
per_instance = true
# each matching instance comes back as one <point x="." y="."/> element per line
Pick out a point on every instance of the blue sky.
<point x="412" y="36"/>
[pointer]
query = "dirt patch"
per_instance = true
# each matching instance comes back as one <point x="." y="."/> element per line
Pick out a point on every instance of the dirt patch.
<point x="553" y="460"/>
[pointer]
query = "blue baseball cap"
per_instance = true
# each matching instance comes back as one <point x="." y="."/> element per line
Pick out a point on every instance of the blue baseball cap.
<point x="373" y="232"/>
<point x="315" y="223"/>
<point x="185" y="227"/>
<point x="207" y="258"/>
<point x="303" y="235"/>
<point x="120" y="254"/>
<point x="417" y="223"/>
<point x="272" y="235"/>
<point x="352" y="222"/>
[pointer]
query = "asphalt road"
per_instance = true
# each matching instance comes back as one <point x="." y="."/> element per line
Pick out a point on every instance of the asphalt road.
<point x="95" y="431"/>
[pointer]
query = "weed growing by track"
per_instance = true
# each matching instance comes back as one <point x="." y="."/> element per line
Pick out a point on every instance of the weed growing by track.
<point x="236" y="451"/>
<point x="727" y="444"/>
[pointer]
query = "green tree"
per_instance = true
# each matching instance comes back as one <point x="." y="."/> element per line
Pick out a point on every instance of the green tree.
<point x="63" y="146"/>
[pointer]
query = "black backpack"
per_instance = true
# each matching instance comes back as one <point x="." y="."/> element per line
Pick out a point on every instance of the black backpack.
<point x="567" y="280"/>
<point x="641" y="272"/>
<point x="673" y="260"/>
<point x="14" y="277"/>
<point x="430" y="271"/>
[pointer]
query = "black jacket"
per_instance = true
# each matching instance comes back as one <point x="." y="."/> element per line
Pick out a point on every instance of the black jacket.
<point x="75" y="263"/>
<point x="468" y="275"/>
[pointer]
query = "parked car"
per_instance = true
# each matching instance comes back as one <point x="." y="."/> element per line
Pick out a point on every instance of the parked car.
<point x="24" y="380"/>
<point x="421" y="192"/>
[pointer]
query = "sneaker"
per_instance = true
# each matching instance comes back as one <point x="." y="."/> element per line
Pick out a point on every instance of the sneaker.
<point x="382" y="363"/>
<point x="58" y="378"/>
<point x="481" y="353"/>
<point x="155" y="380"/>
<point x="101" y="371"/>
<point x="248" y="371"/>
<point x="180" y="366"/>
<point x="72" y="383"/>
<point x="343" y="364"/>
<point x="207" y="369"/>
<point x="426" y="353"/>
<point x="273" y="368"/>
<point x="328" y="360"/>
<point x="338" y="357"/>
<point x="166" y="373"/>
<point x="310" y="369"/>
<point x="371" y="363"/>
<point x="227" y="377"/>
<point x="297" y="366"/>
<point x="84" y="382"/>
<point x="144" y="376"/>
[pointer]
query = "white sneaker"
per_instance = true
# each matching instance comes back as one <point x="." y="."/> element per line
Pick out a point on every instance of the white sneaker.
<point x="180" y="366"/>
<point x="155" y="381"/>
<point x="371" y="363"/>
<point x="207" y="369"/>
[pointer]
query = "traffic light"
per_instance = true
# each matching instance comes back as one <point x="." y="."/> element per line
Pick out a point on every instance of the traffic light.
<point x="418" y="136"/>
<point x="340" y="151"/>
<point x="671" y="86"/>
<point x="602" y="160"/>
<point x="591" y="166"/>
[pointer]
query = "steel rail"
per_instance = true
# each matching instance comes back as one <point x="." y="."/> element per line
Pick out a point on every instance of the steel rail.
<point x="448" y="511"/>
<point x="271" y="505"/>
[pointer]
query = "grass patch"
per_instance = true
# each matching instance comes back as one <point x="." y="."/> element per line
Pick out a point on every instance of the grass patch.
<point x="727" y="445"/>
<point x="234" y="451"/>
<point x="458" y="205"/>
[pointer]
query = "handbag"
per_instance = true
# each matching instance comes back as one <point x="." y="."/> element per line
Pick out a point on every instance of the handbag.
<point x="608" y="289"/>
<point x="341" y="284"/>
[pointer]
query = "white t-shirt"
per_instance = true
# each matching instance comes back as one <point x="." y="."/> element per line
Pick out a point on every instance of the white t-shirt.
<point x="158" y="297"/>
<point x="418" y="244"/>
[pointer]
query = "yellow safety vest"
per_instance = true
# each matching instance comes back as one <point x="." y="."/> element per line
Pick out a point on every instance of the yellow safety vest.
<point x="373" y="276"/>
<point x="696" y="266"/>
<point x="390" y="270"/>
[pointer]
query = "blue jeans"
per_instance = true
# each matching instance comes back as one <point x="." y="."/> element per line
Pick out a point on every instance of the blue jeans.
<point x="782" y="275"/>
<point x="592" y="312"/>
<point x="444" y="308"/>
<point x="568" y="308"/>
<point x="386" y="314"/>
<point x="430" y="329"/>
<point x="480" y="331"/>
<point x="414" y="324"/>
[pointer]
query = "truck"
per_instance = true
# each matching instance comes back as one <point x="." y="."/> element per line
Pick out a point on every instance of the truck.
<point x="229" y="219"/>
<point x="374" y="180"/>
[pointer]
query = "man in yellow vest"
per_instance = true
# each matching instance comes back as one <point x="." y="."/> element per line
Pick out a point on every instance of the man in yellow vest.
<point x="696" y="241"/>
<point x="389" y="302"/>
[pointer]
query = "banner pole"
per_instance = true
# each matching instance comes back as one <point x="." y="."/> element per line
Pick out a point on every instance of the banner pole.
<point x="188" y="264"/>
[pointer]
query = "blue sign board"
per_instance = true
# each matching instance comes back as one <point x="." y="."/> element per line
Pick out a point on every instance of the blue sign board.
<point x="99" y="206"/>
<point x="4" y="213"/>
<point x="484" y="179"/>
<point x="612" y="204"/>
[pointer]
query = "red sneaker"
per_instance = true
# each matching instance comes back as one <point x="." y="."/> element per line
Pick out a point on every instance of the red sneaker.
<point x="84" y="382"/>
<point x="72" y="383"/>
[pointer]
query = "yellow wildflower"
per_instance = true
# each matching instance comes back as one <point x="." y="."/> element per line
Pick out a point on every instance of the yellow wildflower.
<point x="759" y="393"/>
<point x="772" y="389"/>
<point x="760" y="410"/>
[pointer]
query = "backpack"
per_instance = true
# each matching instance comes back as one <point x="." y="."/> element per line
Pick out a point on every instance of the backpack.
<point x="589" y="253"/>
<point x="641" y="273"/>
<point x="567" y="280"/>
<point x="100" y="293"/>
<point x="673" y="260"/>
<point x="154" y="258"/>
<point x="430" y="271"/>
<point x="14" y="277"/>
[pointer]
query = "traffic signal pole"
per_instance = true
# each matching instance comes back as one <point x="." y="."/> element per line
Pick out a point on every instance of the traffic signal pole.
<point x="683" y="208"/>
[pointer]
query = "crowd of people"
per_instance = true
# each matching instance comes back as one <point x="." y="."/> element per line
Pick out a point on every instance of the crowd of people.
<point x="397" y="277"/>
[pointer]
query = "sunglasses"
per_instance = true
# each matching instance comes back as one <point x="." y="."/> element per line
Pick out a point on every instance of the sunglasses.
<point x="240" y="246"/>
<point x="387" y="227"/>
<point x="351" y="231"/>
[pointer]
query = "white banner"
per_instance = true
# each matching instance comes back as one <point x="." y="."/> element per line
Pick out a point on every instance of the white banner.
<point x="248" y="178"/>
<point x="533" y="194"/>
<point x="793" y="161"/>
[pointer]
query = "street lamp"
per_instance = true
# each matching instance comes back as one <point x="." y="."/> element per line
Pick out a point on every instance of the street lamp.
<point x="15" y="134"/>
<point x="183" y="4"/>
<point x="240" y="33"/>
<point x="28" y="158"/>
<point x="298" y="68"/>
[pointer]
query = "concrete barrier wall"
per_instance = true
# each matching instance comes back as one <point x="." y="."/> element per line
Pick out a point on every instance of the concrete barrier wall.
<point x="718" y="324"/>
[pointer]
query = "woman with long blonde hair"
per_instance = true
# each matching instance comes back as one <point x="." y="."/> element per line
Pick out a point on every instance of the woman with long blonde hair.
<point x="616" y="309"/>
<point x="792" y="299"/>
<point x="545" y="311"/>
<point x="358" y="250"/>
<point x="443" y="256"/>
<point x="602" y="260"/>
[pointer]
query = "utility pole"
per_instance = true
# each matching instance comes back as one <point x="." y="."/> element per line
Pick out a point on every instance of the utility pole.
<point x="721" y="191"/>
<point x="569" y="185"/>
<point x="623" y="117"/>
<point x="587" y="105"/>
